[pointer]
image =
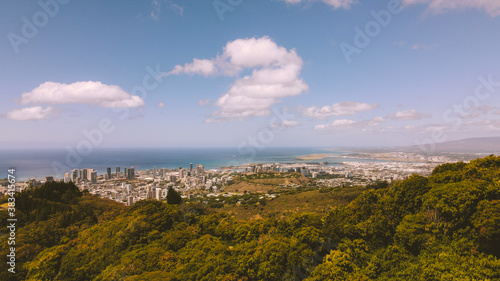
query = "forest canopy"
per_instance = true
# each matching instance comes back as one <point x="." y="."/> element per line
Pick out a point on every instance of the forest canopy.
<point x="442" y="227"/>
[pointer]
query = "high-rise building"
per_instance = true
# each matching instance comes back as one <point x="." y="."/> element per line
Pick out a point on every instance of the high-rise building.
<point x="149" y="193"/>
<point x="74" y="175"/>
<point x="131" y="173"/>
<point x="67" y="178"/>
<point x="34" y="183"/>
<point x="109" y="172"/>
<point x="158" y="194"/>
<point x="93" y="176"/>
<point x="200" y="170"/>
<point x="89" y="174"/>
<point x="191" y="167"/>
<point x="154" y="172"/>
<point x="49" y="179"/>
<point x="117" y="170"/>
<point x="83" y="174"/>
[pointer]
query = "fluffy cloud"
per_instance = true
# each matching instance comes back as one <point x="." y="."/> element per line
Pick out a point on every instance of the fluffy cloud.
<point x="200" y="67"/>
<point x="274" y="75"/>
<point x="336" y="4"/>
<point x="341" y="123"/>
<point x="376" y="121"/>
<point x="337" y="109"/>
<point x="485" y="125"/>
<point x="411" y="114"/>
<point x="29" y="113"/>
<point x="492" y="7"/>
<point x="344" y="124"/>
<point x="90" y="92"/>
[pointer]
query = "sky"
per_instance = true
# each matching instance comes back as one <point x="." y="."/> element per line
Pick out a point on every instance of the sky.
<point x="238" y="73"/>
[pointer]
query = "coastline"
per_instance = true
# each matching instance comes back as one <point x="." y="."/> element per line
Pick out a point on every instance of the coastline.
<point x="313" y="157"/>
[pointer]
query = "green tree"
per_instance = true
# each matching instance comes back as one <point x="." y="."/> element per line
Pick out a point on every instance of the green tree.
<point x="173" y="197"/>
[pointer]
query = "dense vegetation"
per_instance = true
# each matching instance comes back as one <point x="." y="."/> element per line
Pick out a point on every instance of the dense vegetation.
<point x="443" y="227"/>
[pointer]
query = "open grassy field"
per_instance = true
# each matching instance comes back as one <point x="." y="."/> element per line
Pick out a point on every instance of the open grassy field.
<point x="300" y="202"/>
<point x="264" y="185"/>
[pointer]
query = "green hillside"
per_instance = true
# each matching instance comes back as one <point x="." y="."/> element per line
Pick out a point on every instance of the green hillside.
<point x="444" y="227"/>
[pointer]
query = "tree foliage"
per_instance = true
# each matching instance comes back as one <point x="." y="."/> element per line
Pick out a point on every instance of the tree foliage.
<point x="443" y="227"/>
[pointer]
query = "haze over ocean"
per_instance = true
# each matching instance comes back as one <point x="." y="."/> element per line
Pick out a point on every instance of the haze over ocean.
<point x="37" y="163"/>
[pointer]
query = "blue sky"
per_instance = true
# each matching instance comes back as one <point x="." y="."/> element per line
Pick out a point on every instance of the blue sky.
<point x="171" y="73"/>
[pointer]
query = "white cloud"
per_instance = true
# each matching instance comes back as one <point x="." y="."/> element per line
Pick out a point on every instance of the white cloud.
<point x="90" y="92"/>
<point x="344" y="124"/>
<point x="337" y="109"/>
<point x="29" y="113"/>
<point x="492" y="7"/>
<point x="200" y="67"/>
<point x="376" y="121"/>
<point x="411" y="114"/>
<point x="336" y="4"/>
<point x="274" y="75"/>
<point x="486" y="124"/>
<point x="337" y="124"/>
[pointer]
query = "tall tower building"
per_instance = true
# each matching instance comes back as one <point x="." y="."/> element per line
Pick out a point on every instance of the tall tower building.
<point x="93" y="176"/>
<point x="109" y="172"/>
<point x="131" y="173"/>
<point x="154" y="172"/>
<point x="200" y="170"/>
<point x="83" y="174"/>
<point x="74" y="175"/>
<point x="149" y="193"/>
<point x="117" y="170"/>
<point x="191" y="167"/>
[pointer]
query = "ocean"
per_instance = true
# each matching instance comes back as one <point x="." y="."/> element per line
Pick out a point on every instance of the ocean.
<point x="39" y="163"/>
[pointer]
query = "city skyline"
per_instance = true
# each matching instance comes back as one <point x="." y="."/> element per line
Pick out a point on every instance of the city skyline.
<point x="226" y="74"/>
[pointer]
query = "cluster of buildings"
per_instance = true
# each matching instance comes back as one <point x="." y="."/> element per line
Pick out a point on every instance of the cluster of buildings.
<point x="133" y="185"/>
<point x="130" y="185"/>
<point x="90" y="175"/>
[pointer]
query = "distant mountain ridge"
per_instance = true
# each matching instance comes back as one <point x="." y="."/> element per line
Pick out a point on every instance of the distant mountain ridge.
<point x="479" y="145"/>
<point x="469" y="145"/>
